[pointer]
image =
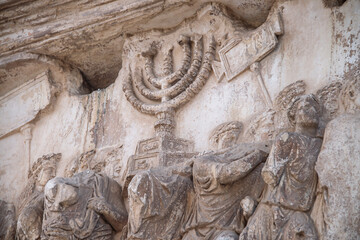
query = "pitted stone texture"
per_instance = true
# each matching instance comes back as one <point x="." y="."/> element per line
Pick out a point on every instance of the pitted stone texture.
<point x="338" y="168"/>
<point x="7" y="221"/>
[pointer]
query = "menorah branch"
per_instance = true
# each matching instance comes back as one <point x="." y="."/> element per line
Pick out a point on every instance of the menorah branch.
<point x="170" y="97"/>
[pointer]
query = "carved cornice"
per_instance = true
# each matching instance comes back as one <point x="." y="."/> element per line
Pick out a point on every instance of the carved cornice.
<point x="89" y="35"/>
<point x="22" y="104"/>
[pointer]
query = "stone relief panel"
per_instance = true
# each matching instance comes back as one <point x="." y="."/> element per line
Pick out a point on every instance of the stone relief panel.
<point x="160" y="91"/>
<point x="272" y="175"/>
<point x="201" y="196"/>
<point x="155" y="186"/>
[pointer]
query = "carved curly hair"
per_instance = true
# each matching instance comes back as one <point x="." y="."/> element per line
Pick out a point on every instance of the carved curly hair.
<point x="224" y="127"/>
<point x="349" y="92"/>
<point x="291" y="113"/>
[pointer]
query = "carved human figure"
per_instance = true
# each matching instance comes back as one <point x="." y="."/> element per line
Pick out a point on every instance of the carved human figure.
<point x="162" y="199"/>
<point x="7" y="220"/>
<point x="289" y="173"/>
<point x="29" y="222"/>
<point x="337" y="208"/>
<point x="85" y="206"/>
<point x="159" y="200"/>
<point x="221" y="180"/>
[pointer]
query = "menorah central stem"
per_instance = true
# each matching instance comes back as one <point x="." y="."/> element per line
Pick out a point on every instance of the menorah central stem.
<point x="165" y="124"/>
<point x="164" y="85"/>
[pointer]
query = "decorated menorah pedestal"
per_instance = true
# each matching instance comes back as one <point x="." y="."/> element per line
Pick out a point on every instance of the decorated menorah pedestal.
<point x="162" y="150"/>
<point x="169" y="92"/>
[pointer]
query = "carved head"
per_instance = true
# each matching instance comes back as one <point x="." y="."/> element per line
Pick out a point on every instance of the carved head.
<point x="350" y="96"/>
<point x="305" y="112"/>
<point x="44" y="168"/>
<point x="226" y="134"/>
<point x="60" y="193"/>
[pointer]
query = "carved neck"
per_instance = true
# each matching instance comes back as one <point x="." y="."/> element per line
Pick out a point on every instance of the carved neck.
<point x="165" y="124"/>
<point x="308" y="131"/>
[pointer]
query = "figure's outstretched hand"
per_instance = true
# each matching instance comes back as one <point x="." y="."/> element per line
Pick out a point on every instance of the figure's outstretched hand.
<point x="248" y="205"/>
<point x="98" y="204"/>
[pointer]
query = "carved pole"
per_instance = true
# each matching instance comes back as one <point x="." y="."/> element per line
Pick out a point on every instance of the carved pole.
<point x="255" y="67"/>
<point x="26" y="131"/>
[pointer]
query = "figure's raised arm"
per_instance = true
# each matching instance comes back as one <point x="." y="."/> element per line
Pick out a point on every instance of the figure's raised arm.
<point x="278" y="157"/>
<point x="230" y="172"/>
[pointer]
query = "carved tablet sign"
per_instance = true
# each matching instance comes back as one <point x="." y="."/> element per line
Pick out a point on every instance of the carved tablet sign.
<point x="22" y="104"/>
<point x="240" y="53"/>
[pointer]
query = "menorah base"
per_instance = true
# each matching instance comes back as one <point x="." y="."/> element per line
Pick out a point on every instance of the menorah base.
<point x="159" y="151"/>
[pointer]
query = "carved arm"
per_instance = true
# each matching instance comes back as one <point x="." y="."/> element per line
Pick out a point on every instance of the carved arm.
<point x="231" y="172"/>
<point x="280" y="154"/>
<point x="117" y="218"/>
<point x="183" y="169"/>
<point x="135" y="102"/>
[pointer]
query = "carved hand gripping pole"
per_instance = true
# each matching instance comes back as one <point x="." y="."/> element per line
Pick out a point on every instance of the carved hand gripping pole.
<point x="175" y="88"/>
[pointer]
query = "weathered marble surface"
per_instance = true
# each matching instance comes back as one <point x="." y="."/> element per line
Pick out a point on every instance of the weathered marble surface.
<point x="7" y="220"/>
<point x="337" y="211"/>
<point x="31" y="97"/>
<point x="188" y="66"/>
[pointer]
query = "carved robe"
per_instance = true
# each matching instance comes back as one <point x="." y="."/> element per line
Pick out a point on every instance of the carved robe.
<point x="290" y="174"/>
<point x="29" y="225"/>
<point x="221" y="181"/>
<point x="7" y="220"/>
<point x="158" y="199"/>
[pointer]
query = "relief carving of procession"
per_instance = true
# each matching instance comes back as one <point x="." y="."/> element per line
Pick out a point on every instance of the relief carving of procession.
<point x="260" y="180"/>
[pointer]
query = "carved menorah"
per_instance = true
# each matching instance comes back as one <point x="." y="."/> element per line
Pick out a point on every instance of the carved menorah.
<point x="174" y="88"/>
